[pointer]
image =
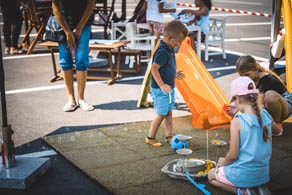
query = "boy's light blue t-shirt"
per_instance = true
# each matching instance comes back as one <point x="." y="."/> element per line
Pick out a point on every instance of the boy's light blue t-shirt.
<point x="252" y="166"/>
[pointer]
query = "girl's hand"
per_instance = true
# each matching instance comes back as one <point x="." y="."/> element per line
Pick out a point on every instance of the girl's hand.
<point x="231" y="109"/>
<point x="185" y="11"/>
<point x="191" y="22"/>
<point x="165" y="88"/>
<point x="220" y="162"/>
<point x="179" y="75"/>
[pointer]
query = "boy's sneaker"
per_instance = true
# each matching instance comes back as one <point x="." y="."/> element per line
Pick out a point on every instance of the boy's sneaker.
<point x="168" y="139"/>
<point x="152" y="142"/>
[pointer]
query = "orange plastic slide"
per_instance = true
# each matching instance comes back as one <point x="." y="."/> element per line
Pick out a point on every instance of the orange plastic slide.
<point x="201" y="93"/>
<point x="287" y="19"/>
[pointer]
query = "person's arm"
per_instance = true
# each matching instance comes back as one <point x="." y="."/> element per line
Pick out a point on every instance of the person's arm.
<point x="232" y="154"/>
<point x="162" y="10"/>
<point x="201" y="12"/>
<point x="156" y="75"/>
<point x="56" y="5"/>
<point x="144" y="5"/>
<point x="87" y="12"/>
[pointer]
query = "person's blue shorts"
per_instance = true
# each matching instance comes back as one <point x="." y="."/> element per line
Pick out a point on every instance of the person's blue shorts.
<point x="288" y="97"/>
<point x="82" y="52"/>
<point x="162" y="102"/>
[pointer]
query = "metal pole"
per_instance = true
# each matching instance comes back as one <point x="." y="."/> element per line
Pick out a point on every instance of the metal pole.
<point x="276" y="18"/>
<point x="8" y="150"/>
<point x="207" y="144"/>
<point x="275" y="27"/>
<point x="2" y="87"/>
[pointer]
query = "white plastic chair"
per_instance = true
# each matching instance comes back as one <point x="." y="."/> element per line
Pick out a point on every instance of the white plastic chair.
<point x="118" y="28"/>
<point x="118" y="32"/>
<point x="215" y="36"/>
<point x="144" y="42"/>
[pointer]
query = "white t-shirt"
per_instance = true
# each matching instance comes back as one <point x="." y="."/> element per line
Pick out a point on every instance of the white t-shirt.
<point x="152" y="12"/>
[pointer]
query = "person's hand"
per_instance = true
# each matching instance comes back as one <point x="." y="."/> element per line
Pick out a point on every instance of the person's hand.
<point x="190" y="22"/>
<point x="231" y="109"/>
<point x="220" y="162"/>
<point x="165" y="88"/>
<point x="77" y="33"/>
<point x="180" y="75"/>
<point x="70" y="41"/>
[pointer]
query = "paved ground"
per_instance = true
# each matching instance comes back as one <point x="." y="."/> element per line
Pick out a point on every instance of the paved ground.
<point x="35" y="106"/>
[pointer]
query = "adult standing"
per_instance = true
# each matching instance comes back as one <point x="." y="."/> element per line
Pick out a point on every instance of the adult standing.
<point x="12" y="19"/>
<point x="75" y="18"/>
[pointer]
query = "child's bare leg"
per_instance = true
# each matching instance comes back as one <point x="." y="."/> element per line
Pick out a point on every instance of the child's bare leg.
<point x="214" y="182"/>
<point x="155" y="125"/>
<point x="168" y="124"/>
<point x="193" y="38"/>
<point x="157" y="37"/>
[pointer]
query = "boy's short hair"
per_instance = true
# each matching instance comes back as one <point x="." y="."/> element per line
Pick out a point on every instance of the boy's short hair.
<point x="175" y="28"/>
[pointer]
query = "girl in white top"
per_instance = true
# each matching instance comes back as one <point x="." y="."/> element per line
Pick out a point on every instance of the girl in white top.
<point x="201" y="19"/>
<point x="154" y="17"/>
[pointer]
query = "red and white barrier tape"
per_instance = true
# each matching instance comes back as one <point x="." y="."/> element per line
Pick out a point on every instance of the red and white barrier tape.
<point x="229" y="10"/>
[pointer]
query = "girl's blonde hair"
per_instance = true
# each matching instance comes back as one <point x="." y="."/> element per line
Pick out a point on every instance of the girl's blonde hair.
<point x="253" y="100"/>
<point x="247" y="63"/>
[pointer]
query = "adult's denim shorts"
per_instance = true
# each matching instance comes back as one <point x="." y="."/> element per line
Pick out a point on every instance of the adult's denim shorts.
<point x="163" y="102"/>
<point x="81" y="54"/>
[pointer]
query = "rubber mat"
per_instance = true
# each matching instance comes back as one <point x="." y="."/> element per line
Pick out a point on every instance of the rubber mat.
<point x="118" y="158"/>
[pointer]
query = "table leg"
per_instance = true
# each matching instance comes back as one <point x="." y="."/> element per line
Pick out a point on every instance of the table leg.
<point x="56" y="77"/>
<point x="110" y="82"/>
<point x="119" y="76"/>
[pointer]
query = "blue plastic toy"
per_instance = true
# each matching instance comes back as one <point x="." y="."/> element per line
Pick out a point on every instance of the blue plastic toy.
<point x="184" y="18"/>
<point x="176" y="144"/>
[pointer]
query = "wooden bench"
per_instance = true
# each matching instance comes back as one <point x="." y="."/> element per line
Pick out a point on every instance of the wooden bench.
<point x="111" y="49"/>
<point x="128" y="52"/>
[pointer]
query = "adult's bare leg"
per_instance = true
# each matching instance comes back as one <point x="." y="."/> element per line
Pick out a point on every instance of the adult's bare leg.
<point x="69" y="80"/>
<point x="81" y="77"/>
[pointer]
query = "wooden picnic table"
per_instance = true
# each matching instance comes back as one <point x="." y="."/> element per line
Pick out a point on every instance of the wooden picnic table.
<point x="53" y="46"/>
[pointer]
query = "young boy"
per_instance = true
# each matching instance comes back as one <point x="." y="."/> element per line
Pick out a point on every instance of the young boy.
<point x="163" y="72"/>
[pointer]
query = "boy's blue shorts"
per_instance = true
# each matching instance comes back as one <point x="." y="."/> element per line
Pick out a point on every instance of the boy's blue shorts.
<point x="162" y="102"/>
